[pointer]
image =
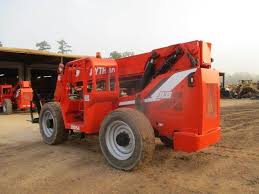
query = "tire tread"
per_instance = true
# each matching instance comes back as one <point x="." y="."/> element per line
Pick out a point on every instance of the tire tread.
<point x="145" y="129"/>
<point x="62" y="133"/>
<point x="9" y="106"/>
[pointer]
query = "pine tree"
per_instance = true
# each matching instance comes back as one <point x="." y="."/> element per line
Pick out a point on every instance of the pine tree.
<point x="64" y="47"/>
<point x="43" y="46"/>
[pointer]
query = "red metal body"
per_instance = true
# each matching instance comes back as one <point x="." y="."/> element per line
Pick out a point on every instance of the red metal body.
<point x="20" y="95"/>
<point x="182" y="103"/>
<point x="23" y="95"/>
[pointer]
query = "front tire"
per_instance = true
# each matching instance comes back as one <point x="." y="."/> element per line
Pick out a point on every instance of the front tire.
<point x="127" y="139"/>
<point x="51" y="122"/>
<point x="7" y="107"/>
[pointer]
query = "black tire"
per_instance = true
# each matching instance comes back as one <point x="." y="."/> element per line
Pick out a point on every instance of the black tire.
<point x="167" y="141"/>
<point x="7" y="107"/>
<point x="55" y="122"/>
<point x="144" y="139"/>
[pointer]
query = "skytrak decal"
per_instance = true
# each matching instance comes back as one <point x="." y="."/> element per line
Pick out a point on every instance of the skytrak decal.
<point x="102" y="70"/>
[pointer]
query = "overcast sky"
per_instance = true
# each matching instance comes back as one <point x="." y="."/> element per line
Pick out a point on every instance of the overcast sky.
<point x="137" y="25"/>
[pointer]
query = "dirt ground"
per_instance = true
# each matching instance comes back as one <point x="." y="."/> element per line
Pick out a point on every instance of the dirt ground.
<point x="27" y="165"/>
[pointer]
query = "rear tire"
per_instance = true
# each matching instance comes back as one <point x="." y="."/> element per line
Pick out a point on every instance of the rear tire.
<point x="7" y="107"/>
<point x="51" y="122"/>
<point x="127" y="139"/>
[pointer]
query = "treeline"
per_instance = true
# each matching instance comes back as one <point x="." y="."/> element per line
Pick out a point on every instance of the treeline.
<point x="63" y="46"/>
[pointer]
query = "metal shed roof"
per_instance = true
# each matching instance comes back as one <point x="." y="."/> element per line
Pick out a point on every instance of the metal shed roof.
<point x="30" y="56"/>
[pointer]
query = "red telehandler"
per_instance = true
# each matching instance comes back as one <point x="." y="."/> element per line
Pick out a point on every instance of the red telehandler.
<point x="171" y="93"/>
<point x="16" y="98"/>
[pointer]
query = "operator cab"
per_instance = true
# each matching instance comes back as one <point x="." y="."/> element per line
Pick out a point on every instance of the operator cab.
<point x="5" y="92"/>
<point x="91" y="89"/>
<point x="6" y="89"/>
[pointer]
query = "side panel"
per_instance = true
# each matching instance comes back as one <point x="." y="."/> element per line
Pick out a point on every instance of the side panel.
<point x="178" y="106"/>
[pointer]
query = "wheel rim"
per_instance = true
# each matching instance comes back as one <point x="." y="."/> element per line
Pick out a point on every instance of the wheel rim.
<point x="120" y="140"/>
<point x="4" y="108"/>
<point x="48" y="123"/>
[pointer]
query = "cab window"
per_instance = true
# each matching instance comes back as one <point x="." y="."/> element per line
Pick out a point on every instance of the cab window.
<point x="101" y="85"/>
